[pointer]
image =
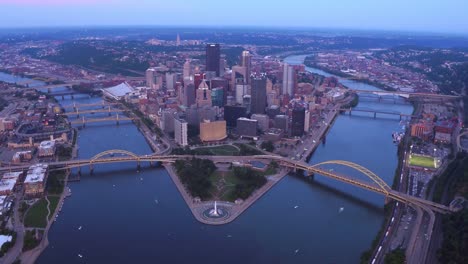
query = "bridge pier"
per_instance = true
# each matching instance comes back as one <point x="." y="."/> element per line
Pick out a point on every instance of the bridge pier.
<point x="349" y="111"/>
<point x="375" y="115"/>
<point x="63" y="97"/>
<point x="400" y="117"/>
<point x="91" y="168"/>
<point x="73" y="96"/>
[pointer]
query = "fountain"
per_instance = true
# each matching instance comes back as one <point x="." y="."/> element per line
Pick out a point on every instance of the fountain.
<point x="214" y="212"/>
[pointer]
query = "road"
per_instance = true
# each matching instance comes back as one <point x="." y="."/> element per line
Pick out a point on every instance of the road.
<point x="16" y="250"/>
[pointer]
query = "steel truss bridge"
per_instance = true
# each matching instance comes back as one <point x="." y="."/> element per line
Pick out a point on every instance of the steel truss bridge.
<point x="376" y="184"/>
<point x="407" y="94"/>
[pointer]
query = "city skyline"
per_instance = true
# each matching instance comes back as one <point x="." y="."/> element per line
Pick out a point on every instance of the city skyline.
<point x="447" y="17"/>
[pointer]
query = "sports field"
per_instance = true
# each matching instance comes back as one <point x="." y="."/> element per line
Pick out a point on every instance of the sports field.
<point x="422" y="161"/>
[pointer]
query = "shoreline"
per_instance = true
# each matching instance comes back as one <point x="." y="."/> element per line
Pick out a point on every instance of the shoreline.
<point x="235" y="210"/>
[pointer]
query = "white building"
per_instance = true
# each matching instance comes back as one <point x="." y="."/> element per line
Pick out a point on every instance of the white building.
<point x="263" y="121"/>
<point x="241" y="90"/>
<point x="119" y="91"/>
<point x="47" y="148"/>
<point x="307" y="121"/>
<point x="170" y="80"/>
<point x="35" y="182"/>
<point x="150" y="75"/>
<point x="288" y="79"/>
<point x="187" y="70"/>
<point x="180" y="132"/>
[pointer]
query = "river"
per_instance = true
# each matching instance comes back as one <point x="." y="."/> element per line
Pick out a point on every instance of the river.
<point x="131" y="217"/>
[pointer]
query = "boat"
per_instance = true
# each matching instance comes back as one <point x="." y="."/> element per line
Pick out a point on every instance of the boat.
<point x="297" y="206"/>
<point x="79" y="228"/>
<point x="79" y="255"/>
<point x="296" y="251"/>
<point x="341" y="209"/>
<point x="156" y="201"/>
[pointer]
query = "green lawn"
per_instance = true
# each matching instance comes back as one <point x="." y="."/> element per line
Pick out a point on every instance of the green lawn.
<point x="36" y="215"/>
<point x="421" y="161"/>
<point x="225" y="150"/>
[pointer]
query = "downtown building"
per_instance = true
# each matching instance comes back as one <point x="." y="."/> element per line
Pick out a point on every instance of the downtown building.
<point x="234" y="112"/>
<point x="247" y="127"/>
<point x="298" y="122"/>
<point x="258" y="95"/>
<point x="289" y="78"/>
<point x="213" y="131"/>
<point x="181" y="132"/>
<point x="213" y="58"/>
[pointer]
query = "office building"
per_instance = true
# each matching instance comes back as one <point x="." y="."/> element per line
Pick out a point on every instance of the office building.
<point x="188" y="95"/>
<point x="282" y="122"/>
<point x="246" y="62"/>
<point x="258" y="95"/>
<point x="298" y="119"/>
<point x="46" y="148"/>
<point x="263" y="121"/>
<point x="247" y="127"/>
<point x="307" y="121"/>
<point x="272" y="111"/>
<point x="150" y="78"/>
<point x="241" y="90"/>
<point x="187" y="72"/>
<point x="213" y="131"/>
<point x="217" y="96"/>
<point x="288" y="80"/>
<point x="35" y="182"/>
<point x="180" y="131"/>
<point x="232" y="113"/>
<point x="203" y="95"/>
<point x="167" y="120"/>
<point x="213" y="57"/>
<point x="171" y="79"/>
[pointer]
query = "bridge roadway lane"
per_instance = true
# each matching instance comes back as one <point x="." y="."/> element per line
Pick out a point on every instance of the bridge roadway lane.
<point x="130" y="157"/>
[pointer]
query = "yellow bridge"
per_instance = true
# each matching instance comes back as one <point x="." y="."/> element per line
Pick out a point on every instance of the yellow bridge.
<point x="375" y="185"/>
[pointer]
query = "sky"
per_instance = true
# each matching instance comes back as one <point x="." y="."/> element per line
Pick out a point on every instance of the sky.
<point x="444" y="16"/>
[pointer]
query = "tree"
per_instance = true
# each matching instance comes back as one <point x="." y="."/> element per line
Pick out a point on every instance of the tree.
<point x="397" y="256"/>
<point x="268" y="146"/>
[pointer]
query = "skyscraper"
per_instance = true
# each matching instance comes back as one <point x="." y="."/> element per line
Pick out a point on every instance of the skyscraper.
<point x="288" y="80"/>
<point x="180" y="131"/>
<point x="246" y="61"/>
<point x="298" y="120"/>
<point x="203" y="95"/>
<point x="217" y="96"/>
<point x="187" y="70"/>
<point x="213" y="57"/>
<point x="188" y="95"/>
<point x="170" y="80"/>
<point x="150" y="75"/>
<point x="258" y="93"/>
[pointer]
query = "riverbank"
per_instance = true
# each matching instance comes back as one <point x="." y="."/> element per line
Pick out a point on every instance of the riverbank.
<point x="346" y="76"/>
<point x="233" y="210"/>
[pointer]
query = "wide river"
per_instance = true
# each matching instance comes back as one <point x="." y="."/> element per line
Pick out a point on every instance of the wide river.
<point x="130" y="217"/>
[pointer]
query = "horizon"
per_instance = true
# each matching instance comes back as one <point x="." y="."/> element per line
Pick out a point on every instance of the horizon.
<point x="336" y="30"/>
<point x="362" y="15"/>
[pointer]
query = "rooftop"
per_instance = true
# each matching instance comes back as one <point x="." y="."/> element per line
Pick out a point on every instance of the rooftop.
<point x="36" y="173"/>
